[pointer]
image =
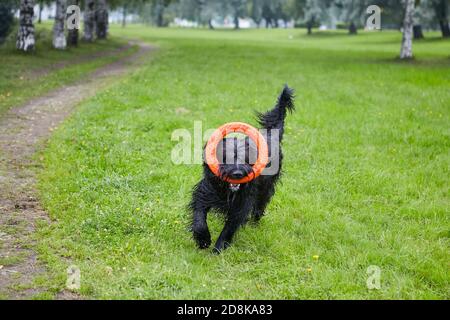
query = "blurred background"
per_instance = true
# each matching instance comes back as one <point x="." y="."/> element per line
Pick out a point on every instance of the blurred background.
<point x="350" y="15"/>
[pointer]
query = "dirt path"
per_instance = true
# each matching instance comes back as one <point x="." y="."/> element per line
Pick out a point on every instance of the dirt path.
<point x="35" y="74"/>
<point x="22" y="131"/>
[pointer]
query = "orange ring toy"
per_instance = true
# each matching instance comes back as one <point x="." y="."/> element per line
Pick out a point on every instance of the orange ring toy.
<point x="254" y="134"/>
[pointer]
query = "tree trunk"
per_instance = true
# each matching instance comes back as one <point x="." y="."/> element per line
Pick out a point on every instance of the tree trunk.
<point x="443" y="23"/>
<point x="160" y="13"/>
<point x="236" y="22"/>
<point x="73" y="33"/>
<point x="89" y="20"/>
<point x="160" y="19"/>
<point x="59" y="38"/>
<point x="101" y="19"/>
<point x="352" y="29"/>
<point x="73" y="38"/>
<point x="41" y="6"/>
<point x="309" y="27"/>
<point x="417" y="31"/>
<point x="25" y="37"/>
<point x="124" y="15"/>
<point x="210" y="25"/>
<point x="441" y="12"/>
<point x="406" y="49"/>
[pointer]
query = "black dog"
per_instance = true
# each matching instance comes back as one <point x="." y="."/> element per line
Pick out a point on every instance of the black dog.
<point x="239" y="202"/>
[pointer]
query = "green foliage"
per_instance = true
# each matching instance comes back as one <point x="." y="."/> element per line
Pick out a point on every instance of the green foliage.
<point x="365" y="180"/>
<point x="429" y="13"/>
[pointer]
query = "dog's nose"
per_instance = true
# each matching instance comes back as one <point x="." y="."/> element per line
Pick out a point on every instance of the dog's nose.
<point x="237" y="174"/>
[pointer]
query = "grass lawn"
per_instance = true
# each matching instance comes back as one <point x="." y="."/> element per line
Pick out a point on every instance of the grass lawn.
<point x="27" y="75"/>
<point x="365" y="171"/>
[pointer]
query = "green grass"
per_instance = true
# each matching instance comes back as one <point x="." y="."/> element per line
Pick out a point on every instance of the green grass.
<point x="365" y="171"/>
<point x="27" y="75"/>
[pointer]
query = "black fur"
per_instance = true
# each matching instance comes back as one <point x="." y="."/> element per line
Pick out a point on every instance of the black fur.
<point x="251" y="199"/>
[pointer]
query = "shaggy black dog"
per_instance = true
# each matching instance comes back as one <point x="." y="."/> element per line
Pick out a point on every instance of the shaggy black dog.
<point x="240" y="202"/>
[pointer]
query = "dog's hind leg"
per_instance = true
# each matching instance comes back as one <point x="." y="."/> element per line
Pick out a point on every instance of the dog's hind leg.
<point x="234" y="221"/>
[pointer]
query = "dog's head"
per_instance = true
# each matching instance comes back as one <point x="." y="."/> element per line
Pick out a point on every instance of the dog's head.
<point x="236" y="157"/>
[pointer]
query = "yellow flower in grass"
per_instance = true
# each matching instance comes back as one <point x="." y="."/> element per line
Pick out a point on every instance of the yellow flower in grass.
<point x="316" y="257"/>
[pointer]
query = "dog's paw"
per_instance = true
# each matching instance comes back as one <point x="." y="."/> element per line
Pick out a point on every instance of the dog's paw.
<point x="220" y="246"/>
<point x="202" y="237"/>
<point x="256" y="216"/>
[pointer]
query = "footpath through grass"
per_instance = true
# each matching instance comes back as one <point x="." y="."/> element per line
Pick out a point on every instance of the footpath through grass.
<point x="365" y="180"/>
<point x="27" y="75"/>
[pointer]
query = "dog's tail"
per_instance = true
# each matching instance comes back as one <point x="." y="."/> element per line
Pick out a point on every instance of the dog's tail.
<point x="274" y="119"/>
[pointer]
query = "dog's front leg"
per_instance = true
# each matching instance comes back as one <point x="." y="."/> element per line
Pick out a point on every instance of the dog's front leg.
<point x="200" y="205"/>
<point x="200" y="228"/>
<point x="235" y="219"/>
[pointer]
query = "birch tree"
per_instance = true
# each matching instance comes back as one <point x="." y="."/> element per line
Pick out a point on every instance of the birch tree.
<point x="59" y="38"/>
<point x="256" y="11"/>
<point x="7" y="9"/>
<point x="417" y="21"/>
<point x="406" y="49"/>
<point x="101" y="19"/>
<point x="89" y="20"/>
<point x="25" y="37"/>
<point x="313" y="13"/>
<point x="238" y="9"/>
<point x="73" y="32"/>
<point x="159" y="6"/>
<point x="441" y="8"/>
<point x="124" y="14"/>
<point x="41" y="7"/>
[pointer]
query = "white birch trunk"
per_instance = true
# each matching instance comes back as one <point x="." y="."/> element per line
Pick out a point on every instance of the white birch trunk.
<point x="406" y="49"/>
<point x="25" y="36"/>
<point x="59" y="37"/>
